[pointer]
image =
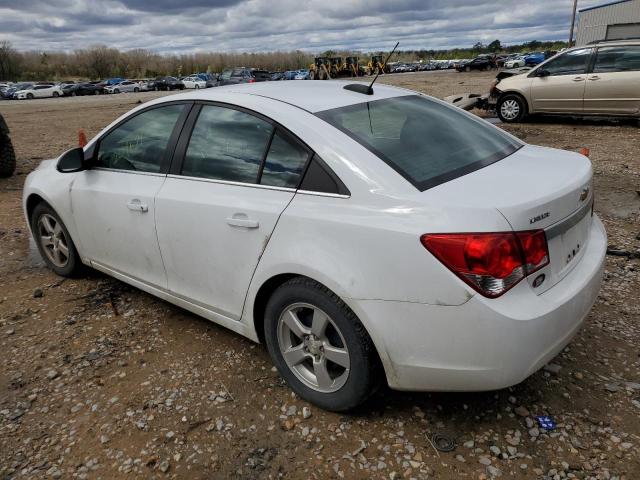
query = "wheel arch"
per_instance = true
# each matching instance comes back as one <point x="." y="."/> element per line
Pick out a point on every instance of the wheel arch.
<point x="269" y="286"/>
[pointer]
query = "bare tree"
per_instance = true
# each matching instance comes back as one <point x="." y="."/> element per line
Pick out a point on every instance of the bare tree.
<point x="9" y="61"/>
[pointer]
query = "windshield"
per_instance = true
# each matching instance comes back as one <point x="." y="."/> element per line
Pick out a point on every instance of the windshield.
<point x="426" y="142"/>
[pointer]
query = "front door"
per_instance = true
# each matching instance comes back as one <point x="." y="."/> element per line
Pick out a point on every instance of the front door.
<point x="613" y="87"/>
<point x="558" y="85"/>
<point x="215" y="218"/>
<point x="114" y="201"/>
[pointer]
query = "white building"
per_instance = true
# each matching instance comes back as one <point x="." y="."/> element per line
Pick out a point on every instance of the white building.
<point x="609" y="21"/>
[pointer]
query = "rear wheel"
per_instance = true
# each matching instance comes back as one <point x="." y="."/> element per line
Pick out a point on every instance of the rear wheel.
<point x="54" y="242"/>
<point x="115" y="90"/>
<point x="319" y="346"/>
<point x="511" y="108"/>
<point x="312" y="74"/>
<point x="197" y="87"/>
<point x="136" y="89"/>
<point x="7" y="157"/>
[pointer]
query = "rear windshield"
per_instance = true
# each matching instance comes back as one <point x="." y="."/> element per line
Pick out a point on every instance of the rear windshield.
<point x="426" y="142"/>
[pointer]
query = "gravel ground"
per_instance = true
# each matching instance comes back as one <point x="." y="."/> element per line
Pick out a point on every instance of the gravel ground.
<point x="100" y="380"/>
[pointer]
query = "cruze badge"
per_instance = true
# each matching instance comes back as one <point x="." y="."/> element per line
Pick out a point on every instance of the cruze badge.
<point x="584" y="194"/>
<point x="537" y="218"/>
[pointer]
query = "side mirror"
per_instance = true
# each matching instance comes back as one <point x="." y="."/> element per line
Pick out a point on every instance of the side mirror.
<point x="71" y="161"/>
<point x="543" y="73"/>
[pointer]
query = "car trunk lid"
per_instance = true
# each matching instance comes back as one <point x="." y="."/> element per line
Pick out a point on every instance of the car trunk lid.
<point x="535" y="188"/>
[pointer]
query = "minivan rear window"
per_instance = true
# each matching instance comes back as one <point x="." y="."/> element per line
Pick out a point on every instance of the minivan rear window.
<point x="425" y="141"/>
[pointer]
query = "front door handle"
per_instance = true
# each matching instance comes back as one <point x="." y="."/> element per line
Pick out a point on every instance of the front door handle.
<point x="578" y="79"/>
<point x="242" y="220"/>
<point x="137" y="206"/>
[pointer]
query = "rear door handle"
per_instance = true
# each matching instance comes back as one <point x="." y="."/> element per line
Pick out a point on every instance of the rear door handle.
<point x="137" y="206"/>
<point x="595" y="77"/>
<point x="241" y="220"/>
<point x="578" y="79"/>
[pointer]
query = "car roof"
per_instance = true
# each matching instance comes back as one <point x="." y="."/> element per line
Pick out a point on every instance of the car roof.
<point x="312" y="96"/>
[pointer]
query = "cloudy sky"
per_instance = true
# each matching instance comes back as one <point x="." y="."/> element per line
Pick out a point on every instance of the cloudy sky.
<point x="261" y="25"/>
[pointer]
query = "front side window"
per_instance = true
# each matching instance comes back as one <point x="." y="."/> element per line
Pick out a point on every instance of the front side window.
<point x="617" y="59"/>
<point x="226" y="144"/>
<point x="140" y="143"/>
<point x="570" y="63"/>
<point x="426" y="142"/>
<point x="284" y="163"/>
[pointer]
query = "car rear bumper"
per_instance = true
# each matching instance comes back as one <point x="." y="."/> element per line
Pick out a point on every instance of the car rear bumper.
<point x="484" y="344"/>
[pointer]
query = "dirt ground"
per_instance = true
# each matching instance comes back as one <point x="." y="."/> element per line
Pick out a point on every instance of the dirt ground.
<point x="100" y="380"/>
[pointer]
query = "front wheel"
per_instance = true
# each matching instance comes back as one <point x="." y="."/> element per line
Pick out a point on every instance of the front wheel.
<point x="511" y="108"/>
<point x="30" y="96"/>
<point x="54" y="242"/>
<point x="56" y="94"/>
<point x="197" y="87"/>
<point x="319" y="346"/>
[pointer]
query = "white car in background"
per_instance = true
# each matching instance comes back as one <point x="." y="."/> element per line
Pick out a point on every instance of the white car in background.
<point x="515" y="63"/>
<point x="364" y="236"/>
<point x="39" y="91"/>
<point x="194" y="82"/>
<point x="127" y="86"/>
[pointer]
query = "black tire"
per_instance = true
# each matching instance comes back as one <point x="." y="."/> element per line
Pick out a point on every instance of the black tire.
<point x="56" y="94"/>
<point x="365" y="374"/>
<point x="29" y="96"/>
<point x="136" y="89"/>
<point x="7" y="157"/>
<point x="312" y="74"/>
<point x="115" y="90"/>
<point x="509" y="115"/>
<point x="73" y="266"/>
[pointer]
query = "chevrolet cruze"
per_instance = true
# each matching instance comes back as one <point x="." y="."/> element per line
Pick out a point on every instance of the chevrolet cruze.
<point x="365" y="236"/>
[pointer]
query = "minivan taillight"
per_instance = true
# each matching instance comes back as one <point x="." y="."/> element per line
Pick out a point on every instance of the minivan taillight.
<point x="491" y="263"/>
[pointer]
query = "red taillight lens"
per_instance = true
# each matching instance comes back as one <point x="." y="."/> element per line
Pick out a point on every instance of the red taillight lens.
<point x="491" y="263"/>
<point x="251" y="80"/>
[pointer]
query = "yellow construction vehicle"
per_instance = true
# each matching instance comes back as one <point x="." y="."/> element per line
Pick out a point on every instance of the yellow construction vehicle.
<point x="320" y="69"/>
<point x="377" y="65"/>
<point x="353" y="68"/>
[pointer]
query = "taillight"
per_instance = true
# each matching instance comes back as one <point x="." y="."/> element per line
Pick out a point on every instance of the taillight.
<point x="252" y="80"/>
<point x="491" y="263"/>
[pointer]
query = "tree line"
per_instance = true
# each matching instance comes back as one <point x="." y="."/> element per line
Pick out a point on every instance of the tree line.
<point x="100" y="61"/>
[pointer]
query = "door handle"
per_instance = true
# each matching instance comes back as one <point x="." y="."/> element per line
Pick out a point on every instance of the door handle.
<point x="241" y="220"/>
<point x="137" y="206"/>
<point x="595" y="77"/>
<point x="578" y="79"/>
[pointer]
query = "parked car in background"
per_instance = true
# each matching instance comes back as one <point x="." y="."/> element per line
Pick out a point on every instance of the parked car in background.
<point x="9" y="92"/>
<point x="275" y="76"/>
<point x="516" y="62"/>
<point x="86" y="88"/>
<point x="127" y="86"/>
<point x="194" y="82"/>
<point x="7" y="153"/>
<point x="302" y="75"/>
<point x="234" y="76"/>
<point x="39" y="91"/>
<point x="110" y="81"/>
<point x="601" y="79"/>
<point x="463" y="273"/>
<point x="478" y="63"/>
<point x="166" y="83"/>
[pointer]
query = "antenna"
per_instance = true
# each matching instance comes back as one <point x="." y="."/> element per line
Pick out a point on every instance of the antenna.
<point x="368" y="90"/>
<point x="383" y="65"/>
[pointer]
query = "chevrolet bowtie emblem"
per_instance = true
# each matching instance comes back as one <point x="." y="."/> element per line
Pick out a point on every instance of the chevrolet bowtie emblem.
<point x="584" y="194"/>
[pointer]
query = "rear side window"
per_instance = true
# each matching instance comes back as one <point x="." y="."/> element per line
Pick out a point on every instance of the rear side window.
<point x="140" y="143"/>
<point x="226" y="144"/>
<point x="570" y="63"/>
<point x="284" y="163"/>
<point x="426" y="142"/>
<point x="617" y="59"/>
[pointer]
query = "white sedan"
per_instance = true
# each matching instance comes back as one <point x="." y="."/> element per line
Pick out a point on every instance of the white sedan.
<point x="194" y="82"/>
<point x="39" y="91"/>
<point x="515" y="63"/>
<point x="363" y="238"/>
<point x="126" y="86"/>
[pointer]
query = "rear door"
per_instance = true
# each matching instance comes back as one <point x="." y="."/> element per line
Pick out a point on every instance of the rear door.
<point x="613" y="86"/>
<point x="561" y="90"/>
<point x="234" y="175"/>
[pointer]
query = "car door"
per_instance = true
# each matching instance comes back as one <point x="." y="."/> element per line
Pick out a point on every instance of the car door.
<point x="41" y="91"/>
<point x="114" y="201"/>
<point x="613" y="85"/>
<point x="216" y="212"/>
<point x="558" y="85"/>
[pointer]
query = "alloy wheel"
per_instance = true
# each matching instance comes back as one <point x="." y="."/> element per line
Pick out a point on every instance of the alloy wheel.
<point x="510" y="109"/>
<point x="53" y="240"/>
<point x="313" y="347"/>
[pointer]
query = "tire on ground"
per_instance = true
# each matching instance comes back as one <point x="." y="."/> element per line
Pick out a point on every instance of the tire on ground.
<point x="521" y="106"/>
<point x="365" y="373"/>
<point x="7" y="157"/>
<point x="74" y="266"/>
